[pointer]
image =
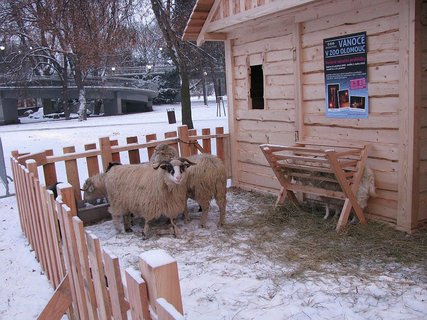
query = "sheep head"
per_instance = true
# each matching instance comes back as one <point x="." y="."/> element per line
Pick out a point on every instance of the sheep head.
<point x="175" y="168"/>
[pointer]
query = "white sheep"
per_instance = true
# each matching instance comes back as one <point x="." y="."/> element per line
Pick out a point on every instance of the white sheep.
<point x="94" y="188"/>
<point x="163" y="152"/>
<point x="147" y="191"/>
<point x="366" y="190"/>
<point x="206" y="181"/>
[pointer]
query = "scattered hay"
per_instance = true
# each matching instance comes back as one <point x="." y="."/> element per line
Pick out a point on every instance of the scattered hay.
<point x="300" y="238"/>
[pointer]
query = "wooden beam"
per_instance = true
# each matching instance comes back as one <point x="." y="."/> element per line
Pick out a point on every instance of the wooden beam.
<point x="257" y="12"/>
<point x="201" y="37"/>
<point x="59" y="303"/>
<point x="409" y="87"/>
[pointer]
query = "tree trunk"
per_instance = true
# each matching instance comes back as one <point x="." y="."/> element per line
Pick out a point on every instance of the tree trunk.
<point x="82" y="93"/>
<point x="65" y="96"/>
<point x="185" y="99"/>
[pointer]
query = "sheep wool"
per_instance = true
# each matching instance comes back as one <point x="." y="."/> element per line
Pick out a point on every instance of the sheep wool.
<point x="147" y="191"/>
<point x="163" y="152"/>
<point x="206" y="181"/>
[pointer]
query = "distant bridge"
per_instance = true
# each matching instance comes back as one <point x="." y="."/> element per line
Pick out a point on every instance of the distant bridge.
<point x="116" y="99"/>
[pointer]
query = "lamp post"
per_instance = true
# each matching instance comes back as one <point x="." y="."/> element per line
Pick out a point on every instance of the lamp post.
<point x="205" y="98"/>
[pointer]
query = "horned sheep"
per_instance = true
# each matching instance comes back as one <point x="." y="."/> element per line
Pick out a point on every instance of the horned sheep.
<point x="206" y="181"/>
<point x="146" y="191"/>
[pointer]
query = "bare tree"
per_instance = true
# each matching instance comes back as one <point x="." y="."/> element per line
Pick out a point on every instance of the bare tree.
<point x="77" y="36"/>
<point x="171" y="17"/>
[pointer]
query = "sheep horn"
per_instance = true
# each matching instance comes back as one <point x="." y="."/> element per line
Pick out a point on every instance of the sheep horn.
<point x="186" y="161"/>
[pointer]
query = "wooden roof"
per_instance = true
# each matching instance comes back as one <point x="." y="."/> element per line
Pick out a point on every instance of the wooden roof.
<point x="197" y="19"/>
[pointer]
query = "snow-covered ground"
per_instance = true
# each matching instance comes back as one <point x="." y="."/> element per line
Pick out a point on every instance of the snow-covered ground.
<point x="222" y="277"/>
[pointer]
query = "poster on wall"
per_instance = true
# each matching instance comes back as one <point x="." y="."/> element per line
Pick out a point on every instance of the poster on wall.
<point x="346" y="76"/>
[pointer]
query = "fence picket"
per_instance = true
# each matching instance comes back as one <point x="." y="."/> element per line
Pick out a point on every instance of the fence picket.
<point x="119" y="306"/>
<point x="160" y="271"/>
<point x="73" y="173"/>
<point x="206" y="142"/>
<point x="98" y="276"/>
<point x="134" y="157"/>
<point x="172" y="134"/>
<point x="137" y="295"/>
<point x="84" y="267"/>
<point x="149" y="138"/>
<point x="92" y="161"/>
<point x="49" y="171"/>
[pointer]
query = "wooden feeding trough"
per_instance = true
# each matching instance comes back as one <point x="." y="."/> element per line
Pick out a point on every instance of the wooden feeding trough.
<point x="326" y="171"/>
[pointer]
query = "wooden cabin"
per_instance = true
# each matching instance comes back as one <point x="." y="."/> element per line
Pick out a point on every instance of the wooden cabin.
<point x="279" y="45"/>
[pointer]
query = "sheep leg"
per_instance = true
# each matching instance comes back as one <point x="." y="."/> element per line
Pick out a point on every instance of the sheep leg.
<point x="186" y="214"/>
<point x="127" y="222"/>
<point x="221" y="204"/>
<point x="146" y="231"/>
<point x="205" y="210"/>
<point x="327" y="211"/>
<point x="117" y="222"/>
<point x="175" y="228"/>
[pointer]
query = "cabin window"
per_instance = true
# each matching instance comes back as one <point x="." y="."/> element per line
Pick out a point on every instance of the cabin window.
<point x="257" y="87"/>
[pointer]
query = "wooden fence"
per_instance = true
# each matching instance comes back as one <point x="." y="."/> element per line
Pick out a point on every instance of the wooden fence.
<point x="87" y="279"/>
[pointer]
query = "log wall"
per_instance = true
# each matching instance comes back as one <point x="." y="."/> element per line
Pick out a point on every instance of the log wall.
<point x="289" y="45"/>
<point x="423" y="140"/>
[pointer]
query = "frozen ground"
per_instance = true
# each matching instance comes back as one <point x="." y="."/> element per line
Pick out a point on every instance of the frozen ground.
<point x="223" y="276"/>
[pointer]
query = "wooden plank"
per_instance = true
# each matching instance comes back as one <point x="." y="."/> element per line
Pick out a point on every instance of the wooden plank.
<point x="231" y="104"/>
<point x="41" y="212"/>
<point x="49" y="171"/>
<point x="59" y="303"/>
<point x="220" y="150"/>
<point x="84" y="267"/>
<point x="106" y="152"/>
<point x="193" y="148"/>
<point x="137" y="295"/>
<point x="32" y="173"/>
<point x="119" y="306"/>
<point x="206" y="143"/>
<point x="150" y="150"/>
<point x="166" y="311"/>
<point x="409" y="88"/>
<point x="172" y="134"/>
<point x="115" y="155"/>
<point x="98" y="276"/>
<point x="73" y="262"/>
<point x="72" y="171"/>
<point x="184" y="141"/>
<point x="134" y="157"/>
<point x="92" y="161"/>
<point x="160" y="271"/>
<point x="54" y="238"/>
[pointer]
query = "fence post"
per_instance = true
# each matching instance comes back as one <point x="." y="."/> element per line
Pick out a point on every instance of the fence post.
<point x="49" y="170"/>
<point x="207" y="142"/>
<point x="184" y="141"/>
<point x="150" y="150"/>
<point x="166" y="311"/>
<point x="106" y="154"/>
<point x="172" y="134"/>
<point x="220" y="143"/>
<point x="193" y="149"/>
<point x="134" y="157"/>
<point x="92" y="162"/>
<point x="160" y="271"/>
<point x="73" y="173"/>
